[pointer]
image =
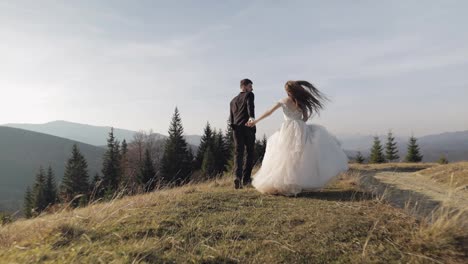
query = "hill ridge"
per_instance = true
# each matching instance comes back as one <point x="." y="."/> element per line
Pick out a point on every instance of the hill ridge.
<point x="213" y="223"/>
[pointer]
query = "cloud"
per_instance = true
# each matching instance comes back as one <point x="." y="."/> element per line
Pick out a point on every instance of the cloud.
<point x="131" y="63"/>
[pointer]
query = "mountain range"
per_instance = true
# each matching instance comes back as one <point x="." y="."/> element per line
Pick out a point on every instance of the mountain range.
<point x="93" y="135"/>
<point x="25" y="147"/>
<point x="453" y="145"/>
<point x="22" y="152"/>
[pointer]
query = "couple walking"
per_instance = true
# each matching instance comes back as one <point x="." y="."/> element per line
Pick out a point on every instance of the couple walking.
<point x="299" y="156"/>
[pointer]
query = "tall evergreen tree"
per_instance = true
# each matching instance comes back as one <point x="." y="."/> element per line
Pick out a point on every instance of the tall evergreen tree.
<point x="51" y="187"/>
<point x="359" y="158"/>
<point x="219" y="152"/>
<point x="229" y="138"/>
<point x="391" y="150"/>
<point x="39" y="192"/>
<point x="376" y="155"/>
<point x="28" y="203"/>
<point x="117" y="149"/>
<point x="176" y="161"/>
<point x="413" y="154"/>
<point x="96" y="188"/>
<point x="207" y="140"/>
<point x="124" y="149"/>
<point x="229" y="148"/>
<point x="209" y="163"/>
<point x="147" y="175"/>
<point x="76" y="178"/>
<point x="124" y="164"/>
<point x="111" y="169"/>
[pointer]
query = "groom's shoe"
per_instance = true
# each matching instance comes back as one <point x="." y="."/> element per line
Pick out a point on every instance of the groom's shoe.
<point x="247" y="183"/>
<point x="237" y="184"/>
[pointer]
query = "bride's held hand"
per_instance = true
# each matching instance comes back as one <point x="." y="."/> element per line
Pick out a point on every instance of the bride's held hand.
<point x="250" y="124"/>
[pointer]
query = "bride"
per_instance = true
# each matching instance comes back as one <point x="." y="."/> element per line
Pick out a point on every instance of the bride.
<point x="299" y="156"/>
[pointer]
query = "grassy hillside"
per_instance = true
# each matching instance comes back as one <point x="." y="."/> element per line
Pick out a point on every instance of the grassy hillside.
<point x="93" y="135"/>
<point x="21" y="154"/>
<point x="213" y="223"/>
<point x="455" y="174"/>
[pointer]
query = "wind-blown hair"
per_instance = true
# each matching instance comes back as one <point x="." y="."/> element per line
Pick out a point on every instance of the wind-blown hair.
<point x="305" y="96"/>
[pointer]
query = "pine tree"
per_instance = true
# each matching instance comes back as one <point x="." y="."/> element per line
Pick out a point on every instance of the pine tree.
<point x="124" y="149"/>
<point x="219" y="152"/>
<point x="76" y="178"/>
<point x="376" y="155"/>
<point x="209" y="163"/>
<point x="124" y="164"/>
<point x="229" y="148"/>
<point x="359" y="158"/>
<point x="207" y="140"/>
<point x="96" y="188"/>
<point x="190" y="158"/>
<point x="51" y="187"/>
<point x="229" y="138"/>
<point x="111" y="169"/>
<point x="391" y="150"/>
<point x="28" y="203"/>
<point x="147" y="175"/>
<point x="39" y="195"/>
<point x="413" y="154"/>
<point x="176" y="161"/>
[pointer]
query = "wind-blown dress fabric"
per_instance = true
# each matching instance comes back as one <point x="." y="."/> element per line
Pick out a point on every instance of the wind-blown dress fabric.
<point x="299" y="157"/>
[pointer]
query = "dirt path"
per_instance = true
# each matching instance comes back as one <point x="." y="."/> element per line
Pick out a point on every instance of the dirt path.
<point x="413" y="191"/>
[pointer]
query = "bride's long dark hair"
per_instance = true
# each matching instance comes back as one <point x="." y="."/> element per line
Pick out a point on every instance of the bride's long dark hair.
<point x="305" y="96"/>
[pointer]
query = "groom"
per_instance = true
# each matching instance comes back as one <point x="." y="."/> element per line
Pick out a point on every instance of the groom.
<point x="243" y="111"/>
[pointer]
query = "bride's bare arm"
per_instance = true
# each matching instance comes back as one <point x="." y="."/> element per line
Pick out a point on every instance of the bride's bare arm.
<point x="265" y="115"/>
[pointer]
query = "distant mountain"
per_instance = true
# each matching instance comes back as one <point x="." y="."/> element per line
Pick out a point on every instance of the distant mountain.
<point x="454" y="145"/>
<point x="21" y="154"/>
<point x="93" y="135"/>
<point x="363" y="143"/>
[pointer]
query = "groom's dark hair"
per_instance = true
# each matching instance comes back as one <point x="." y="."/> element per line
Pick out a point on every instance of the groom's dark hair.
<point x="245" y="82"/>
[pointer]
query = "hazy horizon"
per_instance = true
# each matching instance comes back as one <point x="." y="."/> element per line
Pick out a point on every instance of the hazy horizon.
<point x="383" y="134"/>
<point x="386" y="65"/>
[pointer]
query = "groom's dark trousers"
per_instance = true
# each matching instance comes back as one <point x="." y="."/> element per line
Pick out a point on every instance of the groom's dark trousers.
<point x="242" y="108"/>
<point x="244" y="139"/>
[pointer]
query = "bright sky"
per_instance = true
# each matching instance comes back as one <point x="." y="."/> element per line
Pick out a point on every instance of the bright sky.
<point x="398" y="65"/>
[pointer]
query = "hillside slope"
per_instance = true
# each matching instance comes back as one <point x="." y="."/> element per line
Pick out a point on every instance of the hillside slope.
<point x="89" y="134"/>
<point x="213" y="223"/>
<point x="21" y="154"/>
<point x="93" y="135"/>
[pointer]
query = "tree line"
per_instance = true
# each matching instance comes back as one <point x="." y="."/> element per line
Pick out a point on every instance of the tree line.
<point x="143" y="165"/>
<point x="389" y="152"/>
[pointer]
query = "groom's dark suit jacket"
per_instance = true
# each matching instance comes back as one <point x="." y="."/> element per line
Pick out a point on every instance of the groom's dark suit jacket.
<point x="242" y="108"/>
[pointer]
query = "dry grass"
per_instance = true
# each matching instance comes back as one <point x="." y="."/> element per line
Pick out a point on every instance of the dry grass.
<point x="452" y="174"/>
<point x="397" y="166"/>
<point x="213" y="223"/>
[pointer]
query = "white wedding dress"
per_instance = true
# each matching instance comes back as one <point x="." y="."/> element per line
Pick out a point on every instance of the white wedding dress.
<point x="299" y="157"/>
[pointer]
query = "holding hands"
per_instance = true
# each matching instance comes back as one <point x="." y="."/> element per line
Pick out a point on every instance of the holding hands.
<point x="251" y="123"/>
